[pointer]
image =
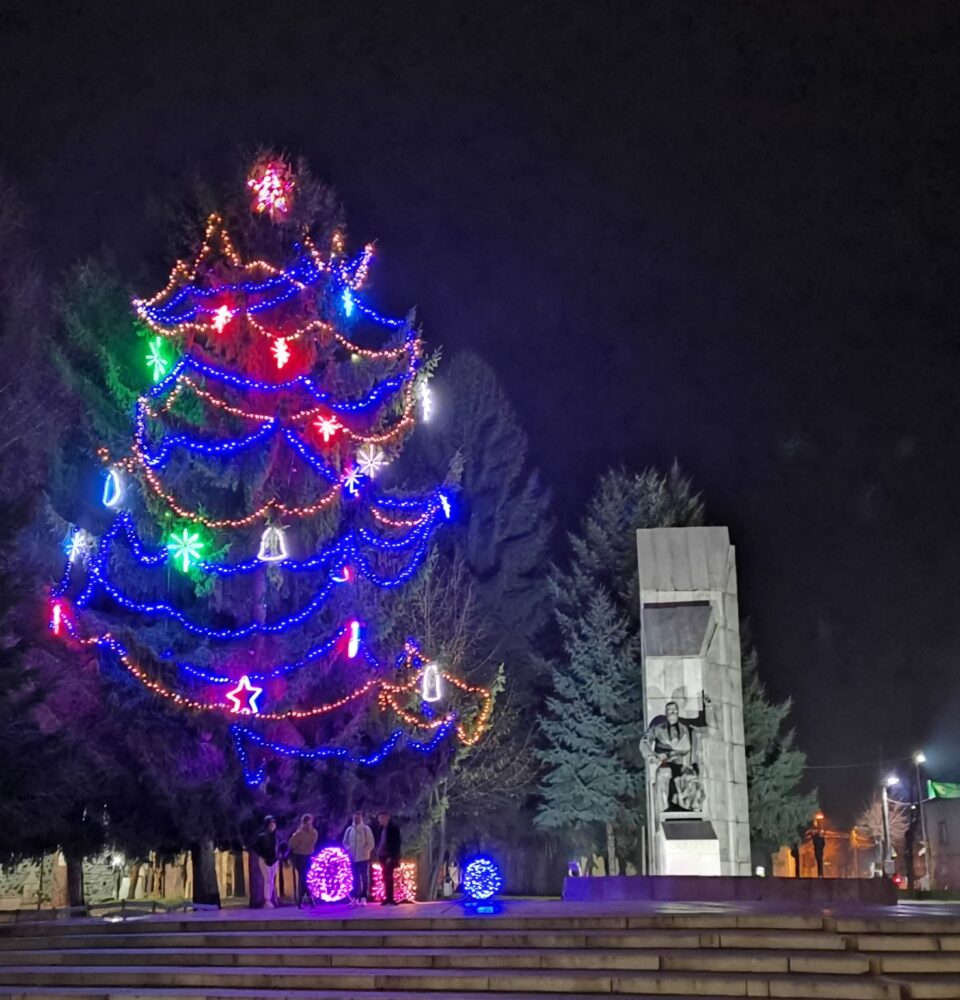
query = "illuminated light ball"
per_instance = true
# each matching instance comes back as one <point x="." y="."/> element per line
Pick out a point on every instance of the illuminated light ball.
<point x="330" y="875"/>
<point x="482" y="878"/>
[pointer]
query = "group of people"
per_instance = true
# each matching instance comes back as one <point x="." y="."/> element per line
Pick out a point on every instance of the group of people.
<point x="361" y="841"/>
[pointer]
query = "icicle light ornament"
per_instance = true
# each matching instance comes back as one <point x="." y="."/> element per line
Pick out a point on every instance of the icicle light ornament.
<point x="353" y="643"/>
<point x="113" y="487"/>
<point x="272" y="184"/>
<point x="431" y="685"/>
<point x="426" y="401"/>
<point x="273" y="545"/>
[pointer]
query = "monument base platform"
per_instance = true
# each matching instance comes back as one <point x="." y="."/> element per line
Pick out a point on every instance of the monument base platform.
<point x="730" y="888"/>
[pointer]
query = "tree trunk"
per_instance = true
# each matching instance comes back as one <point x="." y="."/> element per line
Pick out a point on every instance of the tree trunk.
<point x="74" y="879"/>
<point x="611" y="851"/>
<point x="205" y="888"/>
<point x="439" y="858"/>
<point x="134" y="879"/>
<point x="239" y="879"/>
<point x="255" y="881"/>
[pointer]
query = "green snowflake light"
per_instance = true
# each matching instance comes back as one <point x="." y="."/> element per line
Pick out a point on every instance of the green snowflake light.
<point x="156" y="360"/>
<point x="185" y="546"/>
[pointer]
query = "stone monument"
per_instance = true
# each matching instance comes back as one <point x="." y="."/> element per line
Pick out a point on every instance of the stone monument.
<point x="693" y="703"/>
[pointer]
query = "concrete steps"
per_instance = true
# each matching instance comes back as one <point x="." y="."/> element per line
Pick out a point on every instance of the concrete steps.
<point x="559" y="950"/>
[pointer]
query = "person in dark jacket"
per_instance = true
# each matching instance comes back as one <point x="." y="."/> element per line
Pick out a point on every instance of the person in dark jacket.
<point x="388" y="853"/>
<point x="265" y="848"/>
<point x="819" y="843"/>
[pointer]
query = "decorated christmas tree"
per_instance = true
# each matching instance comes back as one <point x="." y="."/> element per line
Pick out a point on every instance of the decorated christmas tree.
<point x="243" y="562"/>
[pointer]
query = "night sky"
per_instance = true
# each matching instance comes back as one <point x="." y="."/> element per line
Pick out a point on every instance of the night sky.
<point x="722" y="233"/>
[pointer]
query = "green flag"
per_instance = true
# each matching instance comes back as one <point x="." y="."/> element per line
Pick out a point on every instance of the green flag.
<point x="943" y="789"/>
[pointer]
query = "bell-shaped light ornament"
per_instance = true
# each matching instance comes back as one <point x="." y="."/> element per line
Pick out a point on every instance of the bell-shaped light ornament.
<point x="273" y="544"/>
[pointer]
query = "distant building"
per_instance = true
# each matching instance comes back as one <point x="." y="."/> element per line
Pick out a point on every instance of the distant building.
<point x="943" y="831"/>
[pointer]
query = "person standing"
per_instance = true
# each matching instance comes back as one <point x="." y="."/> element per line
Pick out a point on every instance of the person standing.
<point x="302" y="845"/>
<point x="819" y="843"/>
<point x="265" y="848"/>
<point x="388" y="852"/>
<point x="358" y="843"/>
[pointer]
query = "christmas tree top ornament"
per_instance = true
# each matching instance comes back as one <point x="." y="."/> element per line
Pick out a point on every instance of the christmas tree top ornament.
<point x="272" y="183"/>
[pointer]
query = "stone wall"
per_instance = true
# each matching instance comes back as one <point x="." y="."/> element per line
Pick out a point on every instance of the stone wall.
<point x="107" y="878"/>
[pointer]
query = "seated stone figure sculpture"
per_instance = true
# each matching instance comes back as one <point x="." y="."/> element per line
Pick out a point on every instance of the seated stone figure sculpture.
<point x="671" y="749"/>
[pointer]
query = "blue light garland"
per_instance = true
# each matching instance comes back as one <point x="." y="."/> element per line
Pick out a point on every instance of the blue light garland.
<point x="302" y="274"/>
<point x="161" y="608"/>
<point x="282" y="669"/>
<point x="157" y="459"/>
<point x="334" y="557"/>
<point x="242" y="734"/>
<point x="182" y="306"/>
<point x="372" y="398"/>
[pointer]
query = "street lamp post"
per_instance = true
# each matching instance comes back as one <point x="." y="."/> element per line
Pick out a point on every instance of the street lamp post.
<point x="888" y="782"/>
<point x="920" y="758"/>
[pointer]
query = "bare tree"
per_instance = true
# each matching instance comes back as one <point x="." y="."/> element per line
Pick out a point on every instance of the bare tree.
<point x="870" y="821"/>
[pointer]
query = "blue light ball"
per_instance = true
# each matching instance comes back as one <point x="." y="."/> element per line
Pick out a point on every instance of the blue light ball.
<point x="482" y="878"/>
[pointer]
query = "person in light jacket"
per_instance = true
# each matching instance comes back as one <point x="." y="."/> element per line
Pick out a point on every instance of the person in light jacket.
<point x="302" y="844"/>
<point x="358" y="843"/>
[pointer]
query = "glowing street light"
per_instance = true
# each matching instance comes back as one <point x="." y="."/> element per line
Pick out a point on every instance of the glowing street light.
<point x="888" y="782"/>
<point x="921" y="758"/>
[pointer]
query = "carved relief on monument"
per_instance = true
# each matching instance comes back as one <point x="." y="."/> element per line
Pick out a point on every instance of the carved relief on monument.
<point x="673" y="749"/>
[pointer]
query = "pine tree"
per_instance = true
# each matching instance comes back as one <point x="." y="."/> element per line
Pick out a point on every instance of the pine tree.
<point x="604" y="550"/>
<point x="237" y="587"/>
<point x="603" y="567"/>
<point x="774" y="766"/>
<point x="505" y="525"/>
<point x="593" y="722"/>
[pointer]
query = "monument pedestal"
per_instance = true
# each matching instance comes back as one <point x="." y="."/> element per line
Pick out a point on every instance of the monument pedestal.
<point x="688" y="847"/>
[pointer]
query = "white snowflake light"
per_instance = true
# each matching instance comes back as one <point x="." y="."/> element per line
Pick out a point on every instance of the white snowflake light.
<point x="328" y="426"/>
<point x="281" y="352"/>
<point x="221" y="317"/>
<point x="370" y="460"/>
<point x="351" y="479"/>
